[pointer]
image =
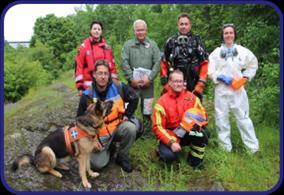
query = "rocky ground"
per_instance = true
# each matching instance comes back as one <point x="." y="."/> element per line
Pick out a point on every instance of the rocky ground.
<point x="26" y="129"/>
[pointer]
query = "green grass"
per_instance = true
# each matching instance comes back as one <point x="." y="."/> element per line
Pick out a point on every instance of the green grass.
<point x="45" y="94"/>
<point x="237" y="171"/>
<point x="38" y="100"/>
<point x="68" y="79"/>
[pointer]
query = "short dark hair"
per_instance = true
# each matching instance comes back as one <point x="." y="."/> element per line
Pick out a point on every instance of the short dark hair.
<point x="102" y="63"/>
<point x="184" y="15"/>
<point x="98" y="63"/>
<point x="97" y="22"/>
<point x="226" y="26"/>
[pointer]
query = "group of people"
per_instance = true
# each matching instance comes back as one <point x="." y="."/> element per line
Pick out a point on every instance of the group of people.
<point x="178" y="118"/>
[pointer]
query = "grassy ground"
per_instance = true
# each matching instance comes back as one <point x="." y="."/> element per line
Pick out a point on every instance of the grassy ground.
<point x="237" y="171"/>
<point x="52" y="97"/>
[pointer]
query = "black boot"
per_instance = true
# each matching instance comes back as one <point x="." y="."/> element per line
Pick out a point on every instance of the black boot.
<point x="124" y="163"/>
<point x="194" y="162"/>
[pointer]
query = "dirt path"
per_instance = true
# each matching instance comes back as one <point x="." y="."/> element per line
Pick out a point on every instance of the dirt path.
<point x="27" y="129"/>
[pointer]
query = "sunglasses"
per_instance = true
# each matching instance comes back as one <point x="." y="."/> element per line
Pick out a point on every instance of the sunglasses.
<point x="228" y="25"/>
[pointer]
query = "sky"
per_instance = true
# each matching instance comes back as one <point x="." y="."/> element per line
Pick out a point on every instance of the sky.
<point x="19" y="20"/>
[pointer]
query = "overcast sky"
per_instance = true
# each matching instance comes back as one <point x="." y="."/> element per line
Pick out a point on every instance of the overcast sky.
<point x="19" y="19"/>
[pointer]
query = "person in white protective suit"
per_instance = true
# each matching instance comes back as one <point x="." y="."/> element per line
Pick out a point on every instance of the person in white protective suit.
<point x="230" y="67"/>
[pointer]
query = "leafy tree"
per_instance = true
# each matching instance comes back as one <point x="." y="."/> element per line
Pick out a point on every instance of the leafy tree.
<point x="82" y="20"/>
<point x="43" y="54"/>
<point x="21" y="73"/>
<point x="56" y="40"/>
<point x="58" y="35"/>
<point x="265" y="92"/>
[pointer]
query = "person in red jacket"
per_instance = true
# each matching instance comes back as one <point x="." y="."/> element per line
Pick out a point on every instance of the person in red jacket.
<point x="92" y="49"/>
<point x="168" y="116"/>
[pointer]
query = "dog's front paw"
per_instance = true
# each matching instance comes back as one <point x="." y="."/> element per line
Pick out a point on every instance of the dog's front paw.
<point x="86" y="184"/>
<point x="93" y="174"/>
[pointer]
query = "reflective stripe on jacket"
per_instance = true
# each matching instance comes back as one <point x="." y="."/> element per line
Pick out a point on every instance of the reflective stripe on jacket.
<point x="87" y="55"/>
<point x="168" y="112"/>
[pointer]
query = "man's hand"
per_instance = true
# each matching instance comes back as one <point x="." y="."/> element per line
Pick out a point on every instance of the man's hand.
<point x="97" y="146"/>
<point x="175" y="147"/>
<point x="199" y="88"/>
<point x="80" y="92"/>
<point x="146" y="83"/>
<point x="125" y="118"/>
<point x="135" y="84"/>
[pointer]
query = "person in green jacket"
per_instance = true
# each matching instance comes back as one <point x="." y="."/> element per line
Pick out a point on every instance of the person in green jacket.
<point x="141" y="64"/>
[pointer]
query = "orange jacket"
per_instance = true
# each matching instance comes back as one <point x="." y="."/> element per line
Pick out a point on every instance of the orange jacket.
<point x="168" y="112"/>
<point x="87" y="55"/>
<point x="113" y="119"/>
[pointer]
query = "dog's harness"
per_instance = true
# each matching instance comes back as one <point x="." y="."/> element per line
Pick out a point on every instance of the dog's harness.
<point x="73" y="134"/>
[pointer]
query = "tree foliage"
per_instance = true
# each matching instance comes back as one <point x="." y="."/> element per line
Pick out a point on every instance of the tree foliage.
<point x="21" y="73"/>
<point x="56" y="39"/>
<point x="57" y="34"/>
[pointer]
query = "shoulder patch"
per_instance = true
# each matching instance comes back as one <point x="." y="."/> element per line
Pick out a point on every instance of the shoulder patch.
<point x="147" y="45"/>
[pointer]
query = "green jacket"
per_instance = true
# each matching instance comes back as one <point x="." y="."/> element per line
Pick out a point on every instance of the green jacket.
<point x="135" y="54"/>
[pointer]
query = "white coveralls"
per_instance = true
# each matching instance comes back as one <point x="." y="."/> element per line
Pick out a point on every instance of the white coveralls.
<point x="244" y="63"/>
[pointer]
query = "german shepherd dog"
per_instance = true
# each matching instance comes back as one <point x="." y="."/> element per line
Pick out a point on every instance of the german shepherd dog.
<point x="54" y="148"/>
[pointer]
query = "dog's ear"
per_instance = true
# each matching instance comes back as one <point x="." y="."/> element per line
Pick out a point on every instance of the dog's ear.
<point x="107" y="107"/>
<point x="99" y="110"/>
<point x="89" y="100"/>
<point x="90" y="108"/>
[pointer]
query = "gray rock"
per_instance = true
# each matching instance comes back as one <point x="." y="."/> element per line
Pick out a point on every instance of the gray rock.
<point x="26" y="130"/>
<point x="217" y="186"/>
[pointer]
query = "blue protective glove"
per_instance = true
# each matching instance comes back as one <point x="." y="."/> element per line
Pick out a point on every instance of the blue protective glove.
<point x="225" y="79"/>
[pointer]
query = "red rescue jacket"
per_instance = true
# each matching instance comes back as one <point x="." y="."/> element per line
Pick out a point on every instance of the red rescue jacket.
<point x="88" y="53"/>
<point x="168" y="113"/>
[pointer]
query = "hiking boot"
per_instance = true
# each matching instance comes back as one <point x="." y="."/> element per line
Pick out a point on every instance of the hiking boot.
<point x="124" y="164"/>
<point x="113" y="150"/>
<point x="194" y="162"/>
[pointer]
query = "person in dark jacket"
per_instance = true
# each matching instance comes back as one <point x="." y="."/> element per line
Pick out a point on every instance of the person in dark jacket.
<point x="186" y="52"/>
<point x="118" y="124"/>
